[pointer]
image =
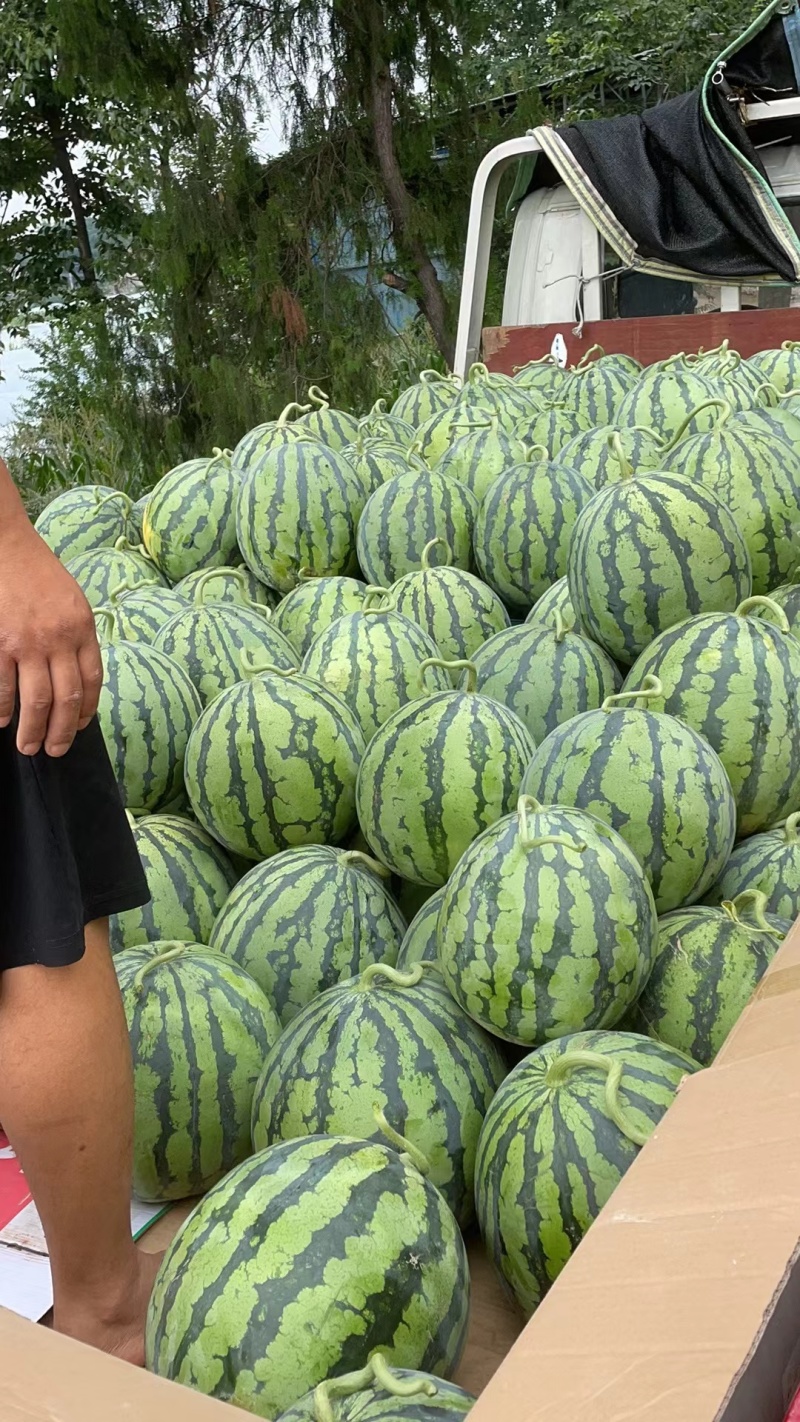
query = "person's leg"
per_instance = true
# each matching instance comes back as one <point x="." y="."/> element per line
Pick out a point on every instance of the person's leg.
<point x="66" y="1103"/>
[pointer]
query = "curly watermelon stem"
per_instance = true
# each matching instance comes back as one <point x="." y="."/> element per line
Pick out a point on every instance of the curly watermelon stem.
<point x="373" y="971"/>
<point x="171" y="951"/>
<point x="377" y="1372"/>
<point x="788" y="394"/>
<point x="457" y="665"/>
<point x="478" y="371"/>
<point x="749" y="603"/>
<point x="409" y="1153"/>
<point x="251" y="666"/>
<point x="755" y="902"/>
<point x="538" y="451"/>
<point x="562" y="628"/>
<point x="117" y="592"/>
<point x="568" y="1062"/>
<point x="526" y="840"/>
<point x="426" y="553"/>
<point x="110" y="618"/>
<point x="588" y="356"/>
<point x="615" y="446"/>
<point x="377" y="599"/>
<point x="208" y="577"/>
<point x="769" y="392"/>
<point x="717" y="402"/>
<point x="650" y="687"/>
<point x="540" y="360"/>
<point x="103" y="499"/>
<point x="790" y="828"/>
<point x="288" y="413"/>
<point x="427" y="376"/>
<point x="318" y="397"/>
<point x="358" y="857"/>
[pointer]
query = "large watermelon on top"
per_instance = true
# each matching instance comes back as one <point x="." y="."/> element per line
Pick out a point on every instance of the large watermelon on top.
<point x="547" y="926"/>
<point x="486" y="391"/>
<point x="189" y="877"/>
<point x="380" y="1394"/>
<point x="382" y="424"/>
<point x="147" y="709"/>
<point x="437" y="772"/>
<point x="190" y="518"/>
<point x="199" y="1031"/>
<point x="390" y="1043"/>
<point x="557" y="1139"/>
<point x="270" y="435"/>
<point x="524" y="527"/>
<point x="83" y="519"/>
<point x="410" y="513"/>
<point x="307" y="919"/>
<point x="304" y="1261"/>
<point x="456" y="609"/>
<point x="596" y="391"/>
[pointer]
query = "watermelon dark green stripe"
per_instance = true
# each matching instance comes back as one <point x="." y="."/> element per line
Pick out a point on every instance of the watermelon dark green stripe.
<point x="524" y="527"/>
<point x="199" y="1031"/>
<point x="384" y="1040"/>
<point x="432" y="1401"/>
<point x="147" y="709"/>
<point x="189" y="877"/>
<point x="214" y="644"/>
<point x="306" y="920"/>
<point x="405" y="515"/>
<point x="550" y="1155"/>
<point x="419" y="944"/>
<point x="769" y="863"/>
<point x="308" y="1258"/>
<point x="190" y="519"/>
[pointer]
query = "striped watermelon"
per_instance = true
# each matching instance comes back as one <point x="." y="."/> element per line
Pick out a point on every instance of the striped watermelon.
<point x="385" y="1042"/>
<point x="552" y="429"/>
<point x="384" y="425"/>
<point x="664" y="399"/>
<point x="436" y="773"/>
<point x="595" y="392"/>
<point x="617" y="360"/>
<point x="81" y="520"/>
<point x="431" y="393"/>
<point x="419" y="944"/>
<point x="545" y="675"/>
<point x="477" y="457"/>
<point x="228" y="585"/>
<point x="524" y="526"/>
<point x="455" y="608"/>
<point x="377" y="460"/>
<point x="780" y="367"/>
<point x="708" y="964"/>
<point x="147" y="709"/>
<point x="372" y="659"/>
<point x="99" y="572"/>
<point x="434" y="438"/>
<point x="137" y="614"/>
<point x="556" y="599"/>
<point x="307" y="919"/>
<point x="190" y="519"/>
<point x="299" y="1266"/>
<point x="272" y="764"/>
<point x="214" y="642"/>
<point x="657" y="781"/>
<point x="547" y="926"/>
<point x="767" y="862"/>
<point x="487" y="391"/>
<point x="777" y="422"/>
<point x="758" y="477"/>
<point x="335" y="428"/>
<point x="649" y="552"/>
<point x="406" y="515"/>
<point x="557" y="1139"/>
<point x="543" y="375"/>
<point x="200" y="1029"/>
<point x="314" y="605"/>
<point x="733" y="678"/>
<point x="298" y="509"/>
<point x="273" y="433"/>
<point x="189" y="878"/>
<point x="381" y="1394"/>
<point x="596" y="454"/>
<point x="787" y="599"/>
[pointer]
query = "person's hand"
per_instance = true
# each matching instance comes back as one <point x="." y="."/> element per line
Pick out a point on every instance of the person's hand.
<point x="49" y="657"/>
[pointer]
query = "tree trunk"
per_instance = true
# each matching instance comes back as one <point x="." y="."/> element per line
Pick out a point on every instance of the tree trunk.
<point x="74" y="194"/>
<point x="431" y="300"/>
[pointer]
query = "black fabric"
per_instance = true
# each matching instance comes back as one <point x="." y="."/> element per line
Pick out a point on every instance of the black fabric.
<point x="67" y="855"/>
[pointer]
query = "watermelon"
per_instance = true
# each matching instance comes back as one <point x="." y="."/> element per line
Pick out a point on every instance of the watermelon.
<point x="547" y="926"/>
<point x="99" y="572"/>
<point x="596" y="454"/>
<point x="199" y="1030"/>
<point x="544" y="376"/>
<point x="303" y="1262"/>
<point x="477" y="457"/>
<point x="213" y="641"/>
<point x="190" y="519"/>
<point x="419" y="944"/>
<point x="617" y="360"/>
<point x="380" y="1394"/>
<point x="787" y="599"/>
<point x="777" y="423"/>
<point x="272" y="764"/>
<point x="665" y="398"/>
<point x="654" y="779"/>
<point x="406" y="515"/>
<point x="298" y="509"/>
<point x="137" y="614"/>
<point x="649" y="552"/>
<point x="556" y="599"/>
<point x="545" y="675"/>
<point x="307" y="919"/>
<point x="437" y="772"/>
<point x="372" y="659"/>
<point x="377" y="460"/>
<point x="708" y="964"/>
<point x="84" y="519"/>
<point x="524" y="527"/>
<point x="384" y="425"/>
<point x="228" y="585"/>
<point x="270" y="435"/>
<point x="455" y="608"/>
<point x="552" y="429"/>
<point x="557" y="1139"/>
<point x="431" y="393"/>
<point x="335" y="428"/>
<point x="780" y="367"/>
<point x="487" y="391"/>
<point x="434" y="438"/>
<point x="385" y="1047"/>
<point x="147" y="709"/>
<point x="314" y="605"/>
<point x="189" y="878"/>
<point x="767" y="862"/>
<point x="595" y="391"/>
<point x="136" y="518"/>
<point x="733" y="678"/>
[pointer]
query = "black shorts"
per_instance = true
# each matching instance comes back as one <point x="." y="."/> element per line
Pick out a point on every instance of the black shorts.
<point x="67" y="855"/>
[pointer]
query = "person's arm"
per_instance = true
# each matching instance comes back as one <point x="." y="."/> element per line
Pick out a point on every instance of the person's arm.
<point x="49" y="657"/>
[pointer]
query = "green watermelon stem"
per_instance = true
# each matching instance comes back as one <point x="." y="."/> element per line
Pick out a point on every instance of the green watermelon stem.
<point x="103" y="499"/>
<point x="790" y="828"/>
<point x="562" y="628"/>
<point x="377" y="599"/>
<point x="373" y="971"/>
<point x="409" y="1153"/>
<point x="615" y="446"/>
<point x="116" y="593"/>
<point x="650" y="687"/>
<point x="110" y="619"/>
<point x="251" y="666"/>
<point x="526" y="804"/>
<point x="540" y="360"/>
<point x="536" y="451"/>
<point x="589" y="356"/>
<point x="750" y="603"/>
<point x="426" y="553"/>
<point x="377" y="1372"/>
<point x="790" y="345"/>
<point x="358" y="857"/>
<point x="209" y="575"/>
<point x="770" y="394"/>
<point x="457" y="665"/>
<point x="171" y="951"/>
<point x="568" y="1062"/>
<point x="318" y="397"/>
<point x="754" y="902"/>
<point x="724" y="406"/>
<point x="427" y="376"/>
<point x="288" y="413"/>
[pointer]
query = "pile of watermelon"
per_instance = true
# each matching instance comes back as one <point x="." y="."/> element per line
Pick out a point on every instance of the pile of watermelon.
<point x="463" y="734"/>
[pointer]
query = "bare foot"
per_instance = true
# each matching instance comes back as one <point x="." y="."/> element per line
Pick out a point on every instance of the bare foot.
<point x="114" y="1324"/>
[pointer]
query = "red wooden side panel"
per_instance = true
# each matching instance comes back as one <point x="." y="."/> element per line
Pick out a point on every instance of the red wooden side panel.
<point x="648" y="338"/>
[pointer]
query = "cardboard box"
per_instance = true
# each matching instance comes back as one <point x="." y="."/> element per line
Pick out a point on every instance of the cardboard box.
<point x="681" y="1305"/>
